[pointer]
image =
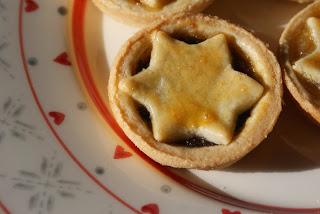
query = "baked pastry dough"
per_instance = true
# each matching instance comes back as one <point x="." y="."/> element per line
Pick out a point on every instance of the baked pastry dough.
<point x="178" y="90"/>
<point x="300" y="57"/>
<point x="308" y="67"/>
<point x="141" y="12"/>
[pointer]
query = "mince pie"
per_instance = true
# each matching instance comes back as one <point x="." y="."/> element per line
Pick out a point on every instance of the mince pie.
<point x="195" y="91"/>
<point x="146" y="11"/>
<point x="300" y="56"/>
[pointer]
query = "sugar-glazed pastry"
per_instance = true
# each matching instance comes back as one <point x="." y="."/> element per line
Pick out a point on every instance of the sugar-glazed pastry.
<point x="300" y="57"/>
<point x="140" y="12"/>
<point x="195" y="92"/>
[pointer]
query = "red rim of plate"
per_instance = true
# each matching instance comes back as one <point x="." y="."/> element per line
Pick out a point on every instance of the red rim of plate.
<point x="4" y="208"/>
<point x="77" y="31"/>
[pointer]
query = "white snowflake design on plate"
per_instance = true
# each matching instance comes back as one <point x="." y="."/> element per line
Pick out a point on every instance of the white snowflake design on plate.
<point x="10" y="122"/>
<point x="46" y="185"/>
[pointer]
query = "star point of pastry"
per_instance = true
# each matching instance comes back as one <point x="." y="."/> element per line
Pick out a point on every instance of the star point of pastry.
<point x="192" y="89"/>
<point x="309" y="66"/>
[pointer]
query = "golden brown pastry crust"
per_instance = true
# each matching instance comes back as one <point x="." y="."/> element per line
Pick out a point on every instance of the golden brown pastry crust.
<point x="288" y="37"/>
<point x="258" y="125"/>
<point x="136" y="14"/>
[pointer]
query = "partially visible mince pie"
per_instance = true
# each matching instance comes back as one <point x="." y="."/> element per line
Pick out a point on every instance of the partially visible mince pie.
<point x="195" y="92"/>
<point x="146" y="11"/>
<point x="300" y="56"/>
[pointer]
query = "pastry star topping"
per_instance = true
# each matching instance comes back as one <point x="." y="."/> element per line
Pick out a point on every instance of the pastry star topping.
<point x="192" y="89"/>
<point x="309" y="66"/>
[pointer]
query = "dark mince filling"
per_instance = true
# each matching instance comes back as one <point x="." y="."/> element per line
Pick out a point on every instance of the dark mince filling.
<point x="181" y="36"/>
<point x="142" y="63"/>
<point x="193" y="142"/>
<point x="144" y="114"/>
<point x="239" y="63"/>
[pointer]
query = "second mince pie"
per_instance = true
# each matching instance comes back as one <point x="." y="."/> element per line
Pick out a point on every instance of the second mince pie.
<point x="300" y="55"/>
<point x="146" y="11"/>
<point x="195" y="92"/>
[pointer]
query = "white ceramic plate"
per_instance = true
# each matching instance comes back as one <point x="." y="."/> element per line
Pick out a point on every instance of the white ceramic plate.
<point x="62" y="152"/>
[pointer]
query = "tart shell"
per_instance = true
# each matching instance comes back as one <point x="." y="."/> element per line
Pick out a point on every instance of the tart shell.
<point x="263" y="116"/>
<point x="136" y="14"/>
<point x="297" y="90"/>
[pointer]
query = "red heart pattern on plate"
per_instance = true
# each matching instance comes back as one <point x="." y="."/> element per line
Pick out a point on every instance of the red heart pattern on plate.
<point x="31" y="6"/>
<point x="63" y="59"/>
<point x="150" y="208"/>
<point x="120" y="153"/>
<point x="58" y="117"/>
<point x="226" y="211"/>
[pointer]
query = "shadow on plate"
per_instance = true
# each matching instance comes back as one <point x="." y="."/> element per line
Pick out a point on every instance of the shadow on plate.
<point x="265" y="19"/>
<point x="292" y="146"/>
